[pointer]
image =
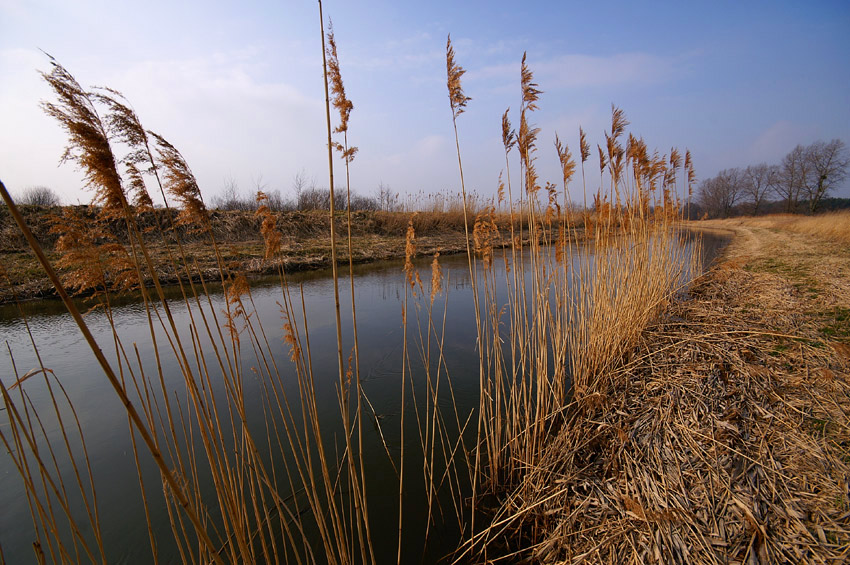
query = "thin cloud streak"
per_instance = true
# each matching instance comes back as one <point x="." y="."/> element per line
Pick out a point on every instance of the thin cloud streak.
<point x="585" y="71"/>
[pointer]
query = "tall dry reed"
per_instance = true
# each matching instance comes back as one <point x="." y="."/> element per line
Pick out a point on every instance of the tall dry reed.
<point x="553" y="318"/>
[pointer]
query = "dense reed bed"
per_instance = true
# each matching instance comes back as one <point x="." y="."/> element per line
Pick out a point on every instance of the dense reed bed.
<point x="552" y="327"/>
<point x="550" y="342"/>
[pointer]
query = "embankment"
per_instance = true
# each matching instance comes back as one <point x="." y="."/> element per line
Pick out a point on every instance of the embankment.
<point x="727" y="437"/>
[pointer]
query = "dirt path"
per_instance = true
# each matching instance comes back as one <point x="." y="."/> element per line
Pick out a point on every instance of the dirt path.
<point x="728" y="439"/>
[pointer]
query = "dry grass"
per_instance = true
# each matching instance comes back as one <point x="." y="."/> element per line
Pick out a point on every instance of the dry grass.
<point x="550" y="342"/>
<point x="723" y="439"/>
<point x="834" y="226"/>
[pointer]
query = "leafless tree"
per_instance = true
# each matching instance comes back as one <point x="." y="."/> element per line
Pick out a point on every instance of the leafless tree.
<point x="827" y="167"/>
<point x="720" y="193"/>
<point x="229" y="199"/>
<point x="759" y="181"/>
<point x="39" y="196"/>
<point x="794" y="173"/>
<point x="277" y="203"/>
<point x="387" y="201"/>
<point x="320" y="199"/>
<point x="300" y="183"/>
<point x="365" y="203"/>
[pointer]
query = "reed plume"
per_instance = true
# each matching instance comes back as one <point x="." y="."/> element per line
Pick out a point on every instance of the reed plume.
<point x="527" y="135"/>
<point x="340" y="101"/>
<point x="141" y="200"/>
<point x="584" y="146"/>
<point x="268" y="229"/>
<point x="409" y="253"/>
<point x="603" y="162"/>
<point x="508" y="134"/>
<point x="88" y="138"/>
<point x="436" y="277"/>
<point x="180" y="182"/>
<point x="484" y="234"/>
<point x="457" y="99"/>
<point x="92" y="260"/>
<point x="568" y="165"/>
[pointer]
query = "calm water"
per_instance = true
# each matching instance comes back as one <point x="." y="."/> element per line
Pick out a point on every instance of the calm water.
<point x="379" y="291"/>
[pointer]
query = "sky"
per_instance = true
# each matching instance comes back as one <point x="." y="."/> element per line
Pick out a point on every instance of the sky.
<point x="237" y="87"/>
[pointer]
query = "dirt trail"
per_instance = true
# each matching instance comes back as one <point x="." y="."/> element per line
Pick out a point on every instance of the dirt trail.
<point x="728" y="438"/>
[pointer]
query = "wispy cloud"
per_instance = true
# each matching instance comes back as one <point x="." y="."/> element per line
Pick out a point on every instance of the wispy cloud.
<point x="575" y="70"/>
<point x="778" y="139"/>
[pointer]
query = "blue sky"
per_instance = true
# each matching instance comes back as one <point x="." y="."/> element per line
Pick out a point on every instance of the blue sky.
<point x="238" y="87"/>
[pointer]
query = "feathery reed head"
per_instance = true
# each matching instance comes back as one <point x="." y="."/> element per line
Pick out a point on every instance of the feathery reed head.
<point x="457" y="98"/>
<point x="233" y="292"/>
<point x="141" y="199"/>
<point x="602" y="160"/>
<point x="670" y="170"/>
<point x="484" y="233"/>
<point x="409" y="252"/>
<point x="657" y="170"/>
<point x="500" y="193"/>
<point x="618" y="121"/>
<point x="181" y="183"/>
<point x="689" y="167"/>
<point x="553" y="209"/>
<point x="91" y="258"/>
<point x="530" y="92"/>
<point x="289" y="337"/>
<point x="436" y="277"/>
<point x="508" y="134"/>
<point x="88" y="140"/>
<point x="584" y="146"/>
<point x="340" y="101"/>
<point x="675" y="160"/>
<point x="268" y="229"/>
<point x="123" y="123"/>
<point x="568" y="165"/>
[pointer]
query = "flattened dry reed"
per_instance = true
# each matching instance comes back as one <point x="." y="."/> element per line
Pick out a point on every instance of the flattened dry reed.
<point x="707" y="448"/>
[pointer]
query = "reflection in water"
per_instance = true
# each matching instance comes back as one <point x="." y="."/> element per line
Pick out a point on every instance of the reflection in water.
<point x="379" y="293"/>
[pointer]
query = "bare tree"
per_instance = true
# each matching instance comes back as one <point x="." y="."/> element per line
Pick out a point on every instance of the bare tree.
<point x="300" y="183"/>
<point x="277" y="203"/>
<point x="827" y="166"/>
<point x="365" y="203"/>
<point x="320" y="199"/>
<point x="758" y="181"/>
<point x="387" y="201"/>
<point x="39" y="196"/>
<point x="231" y="199"/>
<point x="719" y="194"/>
<point x="794" y="172"/>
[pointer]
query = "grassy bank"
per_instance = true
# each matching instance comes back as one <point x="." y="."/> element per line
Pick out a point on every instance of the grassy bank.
<point x="726" y="436"/>
<point x="305" y="242"/>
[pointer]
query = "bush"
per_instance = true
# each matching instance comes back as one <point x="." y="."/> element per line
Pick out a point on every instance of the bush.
<point x="39" y="196"/>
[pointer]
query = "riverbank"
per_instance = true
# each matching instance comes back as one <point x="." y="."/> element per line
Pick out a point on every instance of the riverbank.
<point x="305" y="243"/>
<point x="727" y="436"/>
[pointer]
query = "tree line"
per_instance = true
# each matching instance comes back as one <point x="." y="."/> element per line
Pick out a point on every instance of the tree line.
<point x="801" y="182"/>
<point x="307" y="196"/>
